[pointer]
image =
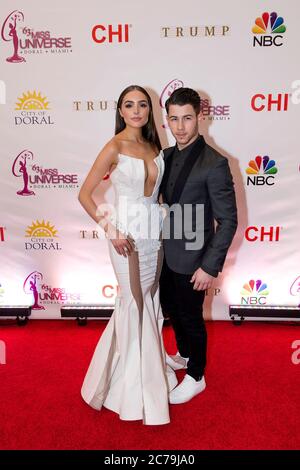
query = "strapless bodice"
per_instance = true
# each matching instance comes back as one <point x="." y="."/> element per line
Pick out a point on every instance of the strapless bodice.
<point x="135" y="214"/>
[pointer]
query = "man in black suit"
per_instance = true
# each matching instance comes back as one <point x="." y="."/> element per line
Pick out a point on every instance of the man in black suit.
<point x="201" y="221"/>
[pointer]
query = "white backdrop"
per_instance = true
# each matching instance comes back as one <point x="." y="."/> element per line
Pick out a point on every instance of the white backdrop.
<point x="63" y="71"/>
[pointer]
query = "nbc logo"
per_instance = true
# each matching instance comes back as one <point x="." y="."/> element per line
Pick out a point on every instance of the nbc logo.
<point x="33" y="107"/>
<point x="262" y="171"/>
<point x="41" y="235"/>
<point x="268" y="30"/>
<point x="254" y="292"/>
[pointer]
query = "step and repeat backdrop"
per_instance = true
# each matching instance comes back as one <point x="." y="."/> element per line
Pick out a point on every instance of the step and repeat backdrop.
<point x="62" y="68"/>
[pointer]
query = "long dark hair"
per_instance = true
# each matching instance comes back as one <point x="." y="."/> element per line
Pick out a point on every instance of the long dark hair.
<point x="149" y="131"/>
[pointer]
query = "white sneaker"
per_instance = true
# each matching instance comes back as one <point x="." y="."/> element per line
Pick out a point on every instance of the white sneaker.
<point x="177" y="362"/>
<point x="187" y="390"/>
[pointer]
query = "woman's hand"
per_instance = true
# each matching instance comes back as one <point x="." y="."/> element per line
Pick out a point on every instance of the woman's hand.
<point x="123" y="245"/>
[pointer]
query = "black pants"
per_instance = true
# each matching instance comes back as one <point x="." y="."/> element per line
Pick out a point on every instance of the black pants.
<point x="184" y="306"/>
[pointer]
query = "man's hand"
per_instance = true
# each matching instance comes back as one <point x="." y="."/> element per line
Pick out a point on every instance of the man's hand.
<point x="201" y="280"/>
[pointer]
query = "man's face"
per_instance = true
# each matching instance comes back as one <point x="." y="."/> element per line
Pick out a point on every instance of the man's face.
<point x="183" y="123"/>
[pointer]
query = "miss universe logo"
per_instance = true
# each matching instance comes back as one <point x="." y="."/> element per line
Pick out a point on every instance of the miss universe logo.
<point x="36" y="176"/>
<point x="26" y="40"/>
<point x="167" y="92"/>
<point x="44" y="294"/>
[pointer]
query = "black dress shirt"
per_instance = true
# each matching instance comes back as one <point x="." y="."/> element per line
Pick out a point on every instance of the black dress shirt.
<point x="178" y="159"/>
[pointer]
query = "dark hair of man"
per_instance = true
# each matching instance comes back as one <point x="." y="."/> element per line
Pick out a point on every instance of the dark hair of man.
<point x="183" y="96"/>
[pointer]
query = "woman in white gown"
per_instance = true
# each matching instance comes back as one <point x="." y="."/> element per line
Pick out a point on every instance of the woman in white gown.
<point x="128" y="372"/>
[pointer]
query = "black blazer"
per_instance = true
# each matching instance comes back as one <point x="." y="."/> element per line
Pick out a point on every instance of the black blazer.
<point x="205" y="183"/>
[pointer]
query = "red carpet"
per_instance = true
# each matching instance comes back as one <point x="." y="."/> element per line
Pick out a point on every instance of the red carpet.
<point x="252" y="400"/>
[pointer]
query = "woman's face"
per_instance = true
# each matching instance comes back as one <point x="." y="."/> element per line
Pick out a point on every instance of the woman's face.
<point x="135" y="109"/>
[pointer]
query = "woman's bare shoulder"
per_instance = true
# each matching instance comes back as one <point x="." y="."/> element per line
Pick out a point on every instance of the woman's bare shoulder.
<point x="110" y="149"/>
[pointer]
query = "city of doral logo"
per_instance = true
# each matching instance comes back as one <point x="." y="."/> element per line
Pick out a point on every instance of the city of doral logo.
<point x="166" y="93"/>
<point x="254" y="293"/>
<point x="26" y="40"/>
<point x="32" y="109"/>
<point x="42" y="236"/>
<point x="268" y="30"/>
<point x="261" y="171"/>
<point x="43" y="294"/>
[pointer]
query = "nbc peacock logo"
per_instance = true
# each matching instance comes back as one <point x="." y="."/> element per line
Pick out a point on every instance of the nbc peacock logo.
<point x="254" y="292"/>
<point x="268" y="29"/>
<point x="33" y="109"/>
<point x="261" y="171"/>
<point x="41" y="237"/>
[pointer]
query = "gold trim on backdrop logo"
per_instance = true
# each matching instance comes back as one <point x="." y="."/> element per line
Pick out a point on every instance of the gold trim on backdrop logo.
<point x="94" y="105"/>
<point x="91" y="234"/>
<point x="203" y="31"/>
<point x="42" y="235"/>
<point x="33" y="109"/>
<point x="213" y="292"/>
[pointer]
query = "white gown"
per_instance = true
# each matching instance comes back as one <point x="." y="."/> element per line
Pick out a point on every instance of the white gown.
<point x="128" y="372"/>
